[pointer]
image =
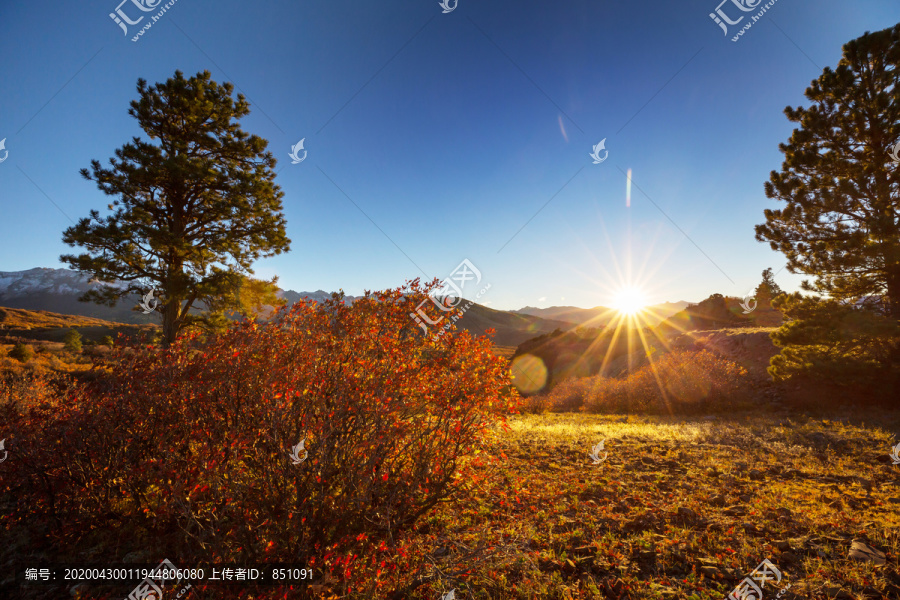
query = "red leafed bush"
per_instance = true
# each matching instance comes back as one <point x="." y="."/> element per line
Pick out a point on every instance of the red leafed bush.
<point x="679" y="382"/>
<point x="185" y="452"/>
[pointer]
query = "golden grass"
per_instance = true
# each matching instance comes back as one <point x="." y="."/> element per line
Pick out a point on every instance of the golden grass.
<point x="681" y="508"/>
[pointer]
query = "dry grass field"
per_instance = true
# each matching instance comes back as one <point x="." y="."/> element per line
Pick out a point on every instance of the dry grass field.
<point x="679" y="509"/>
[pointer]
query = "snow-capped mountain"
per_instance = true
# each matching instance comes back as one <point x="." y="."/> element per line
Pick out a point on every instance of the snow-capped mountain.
<point x="14" y="284"/>
<point x="319" y="296"/>
<point x="58" y="290"/>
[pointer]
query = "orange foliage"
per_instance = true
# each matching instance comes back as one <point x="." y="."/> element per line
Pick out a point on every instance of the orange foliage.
<point x="680" y="381"/>
<point x="186" y="450"/>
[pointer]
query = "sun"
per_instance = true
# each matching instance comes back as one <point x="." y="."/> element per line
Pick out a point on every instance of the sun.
<point x="630" y="301"/>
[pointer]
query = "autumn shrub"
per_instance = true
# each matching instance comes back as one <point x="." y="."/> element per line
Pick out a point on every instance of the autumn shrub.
<point x="681" y="381"/>
<point x="535" y="404"/>
<point x="72" y="340"/>
<point x="188" y="449"/>
<point x="20" y="392"/>
<point x="569" y="395"/>
<point x="21" y="352"/>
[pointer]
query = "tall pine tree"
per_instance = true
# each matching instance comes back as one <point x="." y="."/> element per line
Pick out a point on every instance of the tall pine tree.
<point x="195" y="206"/>
<point x="841" y="222"/>
<point x="767" y="290"/>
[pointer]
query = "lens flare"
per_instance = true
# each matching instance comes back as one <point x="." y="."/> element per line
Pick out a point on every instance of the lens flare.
<point x="628" y="191"/>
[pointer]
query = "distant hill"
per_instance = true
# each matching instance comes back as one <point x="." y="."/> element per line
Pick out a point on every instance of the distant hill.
<point x="57" y="290"/>
<point x="512" y="329"/>
<point x="49" y="326"/>
<point x="719" y="312"/>
<point x="610" y="351"/>
<point x="319" y="296"/>
<point x="600" y="315"/>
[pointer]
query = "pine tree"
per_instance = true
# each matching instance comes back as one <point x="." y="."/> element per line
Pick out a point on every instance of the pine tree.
<point x="767" y="290"/>
<point x="841" y="223"/>
<point x="72" y="341"/>
<point x="828" y="340"/>
<point x="195" y="206"/>
<point x="241" y="297"/>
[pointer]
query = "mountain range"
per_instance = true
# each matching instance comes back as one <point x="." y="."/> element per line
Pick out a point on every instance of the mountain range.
<point x="57" y="291"/>
<point x="601" y="315"/>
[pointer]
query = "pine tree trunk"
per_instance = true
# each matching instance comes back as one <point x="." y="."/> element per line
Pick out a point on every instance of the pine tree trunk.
<point x="894" y="306"/>
<point x="170" y="314"/>
<point x="893" y="293"/>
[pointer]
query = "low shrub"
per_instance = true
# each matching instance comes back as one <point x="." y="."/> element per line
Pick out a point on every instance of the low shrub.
<point x="569" y="395"/>
<point x="72" y="340"/>
<point x="535" y="404"/>
<point x="680" y="381"/>
<point x="189" y="448"/>
<point x="21" y="352"/>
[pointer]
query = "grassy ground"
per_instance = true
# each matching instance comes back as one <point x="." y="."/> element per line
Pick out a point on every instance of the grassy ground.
<point x="679" y="509"/>
<point x="47" y="357"/>
<point x="504" y="351"/>
<point x="41" y="325"/>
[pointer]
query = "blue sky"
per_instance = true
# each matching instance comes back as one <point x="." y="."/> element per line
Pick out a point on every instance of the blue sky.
<point x="448" y="133"/>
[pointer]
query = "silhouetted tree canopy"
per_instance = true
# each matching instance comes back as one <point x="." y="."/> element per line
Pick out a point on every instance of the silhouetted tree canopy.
<point x="840" y="186"/>
<point x="195" y="206"/>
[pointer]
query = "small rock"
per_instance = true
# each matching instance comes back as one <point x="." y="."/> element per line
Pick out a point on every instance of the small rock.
<point x="719" y="500"/>
<point x="710" y="571"/>
<point x="712" y="472"/>
<point x="894" y="500"/>
<point x="688" y="514"/>
<point x="782" y="545"/>
<point x="864" y="552"/>
<point x="756" y="475"/>
<point x="790" y="557"/>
